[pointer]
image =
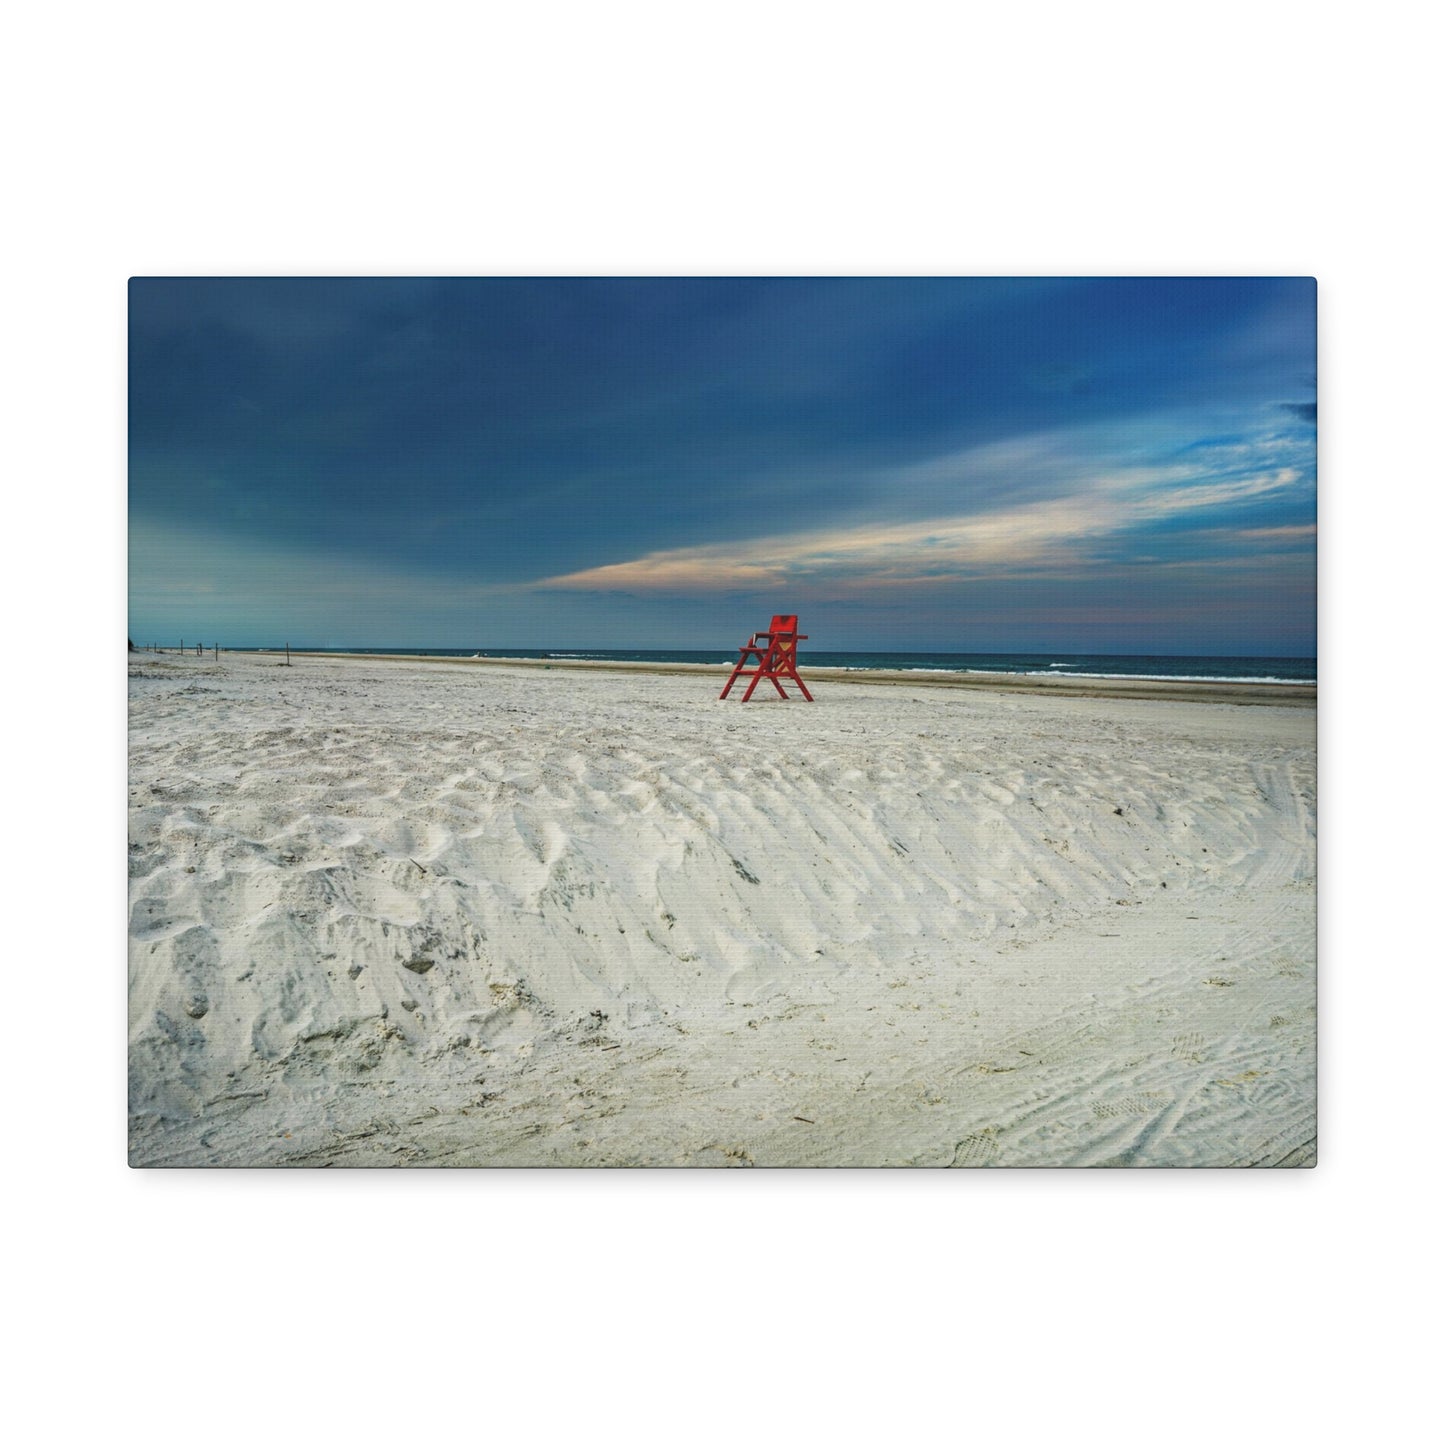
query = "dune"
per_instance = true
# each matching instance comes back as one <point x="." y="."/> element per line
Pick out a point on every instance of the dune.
<point x="436" y="913"/>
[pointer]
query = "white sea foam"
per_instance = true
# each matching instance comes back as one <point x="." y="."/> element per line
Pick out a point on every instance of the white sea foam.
<point x="1100" y="676"/>
<point x="1181" y="677"/>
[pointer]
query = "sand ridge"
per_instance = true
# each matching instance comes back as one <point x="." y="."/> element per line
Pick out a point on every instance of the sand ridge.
<point x="418" y="913"/>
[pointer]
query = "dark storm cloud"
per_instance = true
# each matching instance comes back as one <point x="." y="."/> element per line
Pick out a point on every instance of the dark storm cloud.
<point x="491" y="434"/>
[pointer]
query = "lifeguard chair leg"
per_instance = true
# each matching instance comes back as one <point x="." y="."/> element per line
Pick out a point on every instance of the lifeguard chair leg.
<point x="767" y="667"/>
<point x="747" y="650"/>
<point x="758" y="676"/>
<point x="785" y="661"/>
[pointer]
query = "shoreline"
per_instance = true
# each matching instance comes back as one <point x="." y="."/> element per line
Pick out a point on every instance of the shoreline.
<point x="1246" y="694"/>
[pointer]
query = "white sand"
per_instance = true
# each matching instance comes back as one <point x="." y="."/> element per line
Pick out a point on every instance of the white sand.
<point x="426" y="913"/>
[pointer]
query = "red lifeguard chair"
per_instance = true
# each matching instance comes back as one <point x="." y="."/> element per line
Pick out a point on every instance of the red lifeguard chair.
<point x="776" y="654"/>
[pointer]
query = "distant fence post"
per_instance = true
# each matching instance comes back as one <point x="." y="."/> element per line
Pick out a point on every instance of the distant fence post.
<point x="288" y="654"/>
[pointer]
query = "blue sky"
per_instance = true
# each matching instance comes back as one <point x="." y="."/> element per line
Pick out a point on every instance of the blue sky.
<point x="1113" y="465"/>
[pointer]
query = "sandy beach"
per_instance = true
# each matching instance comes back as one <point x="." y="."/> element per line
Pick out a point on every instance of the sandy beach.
<point x="416" y="912"/>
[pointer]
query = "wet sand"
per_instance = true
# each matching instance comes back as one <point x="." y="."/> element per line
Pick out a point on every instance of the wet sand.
<point x="1240" y="693"/>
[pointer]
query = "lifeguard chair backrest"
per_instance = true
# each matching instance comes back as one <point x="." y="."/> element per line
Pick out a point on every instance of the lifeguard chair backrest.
<point x="786" y="629"/>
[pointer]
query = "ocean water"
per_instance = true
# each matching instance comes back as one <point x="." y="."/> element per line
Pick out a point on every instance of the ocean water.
<point x="1066" y="664"/>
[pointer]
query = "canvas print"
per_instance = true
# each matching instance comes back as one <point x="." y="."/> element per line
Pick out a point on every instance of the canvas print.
<point x="722" y="722"/>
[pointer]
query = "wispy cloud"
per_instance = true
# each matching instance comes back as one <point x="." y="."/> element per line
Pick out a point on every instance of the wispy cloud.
<point x="1278" y="534"/>
<point x="1054" y="535"/>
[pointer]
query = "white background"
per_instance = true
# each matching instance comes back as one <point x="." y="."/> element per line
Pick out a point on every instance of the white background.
<point x="668" y="139"/>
